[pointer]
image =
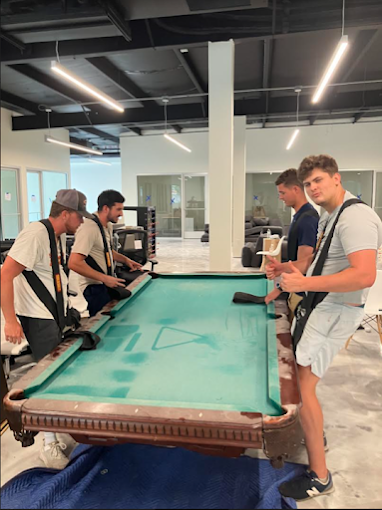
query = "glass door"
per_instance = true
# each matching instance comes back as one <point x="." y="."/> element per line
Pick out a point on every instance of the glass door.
<point x="194" y="206"/>
<point x="42" y="189"/>
<point x="52" y="182"/>
<point x="10" y="210"/>
<point x="164" y="192"/>
<point x="34" y="196"/>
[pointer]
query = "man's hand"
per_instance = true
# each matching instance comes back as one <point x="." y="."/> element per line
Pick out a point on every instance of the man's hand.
<point x="134" y="266"/>
<point x="293" y="280"/>
<point x="113" y="282"/>
<point x="273" y="268"/>
<point x="13" y="332"/>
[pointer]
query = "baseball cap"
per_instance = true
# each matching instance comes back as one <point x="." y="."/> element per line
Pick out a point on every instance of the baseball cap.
<point x="73" y="199"/>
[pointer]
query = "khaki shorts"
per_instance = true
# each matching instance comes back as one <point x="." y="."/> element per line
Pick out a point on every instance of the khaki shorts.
<point x="328" y="328"/>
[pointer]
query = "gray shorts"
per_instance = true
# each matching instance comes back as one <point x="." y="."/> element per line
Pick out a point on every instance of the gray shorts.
<point x="328" y="328"/>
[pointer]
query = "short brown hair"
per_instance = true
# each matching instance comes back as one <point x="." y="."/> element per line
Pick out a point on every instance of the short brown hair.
<point x="289" y="178"/>
<point x="323" y="162"/>
<point x="57" y="209"/>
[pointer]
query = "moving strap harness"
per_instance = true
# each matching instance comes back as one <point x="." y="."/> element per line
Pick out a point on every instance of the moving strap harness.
<point x="56" y="308"/>
<point x="312" y="299"/>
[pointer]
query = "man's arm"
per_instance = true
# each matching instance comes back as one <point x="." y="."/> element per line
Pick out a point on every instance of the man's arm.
<point x="78" y="264"/>
<point x="304" y="253"/>
<point x="275" y="268"/>
<point x="118" y="257"/>
<point x="360" y="275"/>
<point x="12" y="329"/>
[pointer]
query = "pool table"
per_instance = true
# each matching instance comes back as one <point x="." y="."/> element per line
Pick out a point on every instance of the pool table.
<point x="178" y="364"/>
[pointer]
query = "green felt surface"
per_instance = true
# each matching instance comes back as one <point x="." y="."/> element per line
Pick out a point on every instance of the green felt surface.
<point x="179" y="341"/>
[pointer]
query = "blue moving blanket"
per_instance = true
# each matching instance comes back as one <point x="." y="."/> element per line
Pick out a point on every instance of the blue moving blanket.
<point x="138" y="476"/>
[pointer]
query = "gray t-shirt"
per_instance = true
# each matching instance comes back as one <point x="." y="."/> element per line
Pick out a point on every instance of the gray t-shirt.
<point x="88" y="241"/>
<point x="358" y="228"/>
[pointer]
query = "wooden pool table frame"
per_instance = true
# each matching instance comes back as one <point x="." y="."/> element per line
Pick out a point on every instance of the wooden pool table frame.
<point x="214" y="432"/>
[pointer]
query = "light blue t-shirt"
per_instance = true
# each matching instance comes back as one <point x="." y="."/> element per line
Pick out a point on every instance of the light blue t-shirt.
<point x="358" y="228"/>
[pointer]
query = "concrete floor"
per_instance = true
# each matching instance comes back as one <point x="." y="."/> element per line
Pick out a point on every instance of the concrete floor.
<point x="350" y="393"/>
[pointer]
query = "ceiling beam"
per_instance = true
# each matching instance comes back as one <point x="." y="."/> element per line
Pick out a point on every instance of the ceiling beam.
<point x="16" y="43"/>
<point x="18" y="104"/>
<point x="177" y="113"/>
<point x="357" y="51"/>
<point x="188" y="66"/>
<point x="137" y="131"/>
<point x="50" y="82"/>
<point x="118" y="77"/>
<point x="312" y="119"/>
<point x="117" y="19"/>
<point x="101" y="134"/>
<point x="358" y="116"/>
<point x="168" y="34"/>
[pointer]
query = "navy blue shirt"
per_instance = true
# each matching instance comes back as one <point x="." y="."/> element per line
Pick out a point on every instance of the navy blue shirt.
<point x="307" y="227"/>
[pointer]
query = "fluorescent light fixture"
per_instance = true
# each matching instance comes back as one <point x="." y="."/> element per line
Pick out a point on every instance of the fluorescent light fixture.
<point x="337" y="55"/>
<point x="291" y="141"/>
<point x="73" y="146"/>
<point x="68" y="75"/>
<point x="99" y="162"/>
<point x="168" y="137"/>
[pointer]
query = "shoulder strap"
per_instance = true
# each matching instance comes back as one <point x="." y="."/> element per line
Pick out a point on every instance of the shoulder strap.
<point x="314" y="298"/>
<point x="42" y="293"/>
<point x="105" y="246"/>
<point x="56" y="308"/>
<point x="324" y="252"/>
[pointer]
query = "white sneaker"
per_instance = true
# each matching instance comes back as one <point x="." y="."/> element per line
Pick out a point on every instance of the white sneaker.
<point x="53" y="455"/>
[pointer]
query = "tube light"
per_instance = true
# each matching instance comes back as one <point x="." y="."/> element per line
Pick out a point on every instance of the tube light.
<point x="168" y="137"/>
<point x="68" y="75"/>
<point x="99" y="162"/>
<point x="73" y="146"/>
<point x="337" y="55"/>
<point x="293" y="138"/>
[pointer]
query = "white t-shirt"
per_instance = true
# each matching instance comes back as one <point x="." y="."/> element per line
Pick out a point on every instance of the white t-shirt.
<point x="88" y="241"/>
<point x="358" y="228"/>
<point x="32" y="250"/>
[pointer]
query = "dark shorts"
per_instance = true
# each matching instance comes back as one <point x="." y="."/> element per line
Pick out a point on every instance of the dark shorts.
<point x="97" y="297"/>
<point x="43" y="335"/>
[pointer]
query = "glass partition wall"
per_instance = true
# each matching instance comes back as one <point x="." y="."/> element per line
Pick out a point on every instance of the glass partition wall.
<point x="262" y="200"/>
<point x="164" y="192"/>
<point x="10" y="205"/>
<point x="181" y="200"/>
<point x="42" y="187"/>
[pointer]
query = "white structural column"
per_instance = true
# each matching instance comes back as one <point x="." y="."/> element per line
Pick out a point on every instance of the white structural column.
<point x="239" y="167"/>
<point x="220" y="101"/>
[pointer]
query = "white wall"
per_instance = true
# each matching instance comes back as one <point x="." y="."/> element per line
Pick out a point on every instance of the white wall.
<point x="92" y="179"/>
<point x="354" y="146"/>
<point x="28" y="150"/>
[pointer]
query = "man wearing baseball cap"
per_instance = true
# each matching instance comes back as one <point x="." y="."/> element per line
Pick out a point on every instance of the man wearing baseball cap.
<point x="24" y="312"/>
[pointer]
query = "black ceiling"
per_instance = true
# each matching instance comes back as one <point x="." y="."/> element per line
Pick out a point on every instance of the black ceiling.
<point x="131" y="50"/>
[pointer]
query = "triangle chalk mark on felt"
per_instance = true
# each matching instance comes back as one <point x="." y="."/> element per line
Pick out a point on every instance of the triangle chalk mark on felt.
<point x="173" y="337"/>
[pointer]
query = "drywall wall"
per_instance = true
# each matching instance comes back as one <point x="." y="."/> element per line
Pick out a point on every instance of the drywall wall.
<point x="27" y="150"/>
